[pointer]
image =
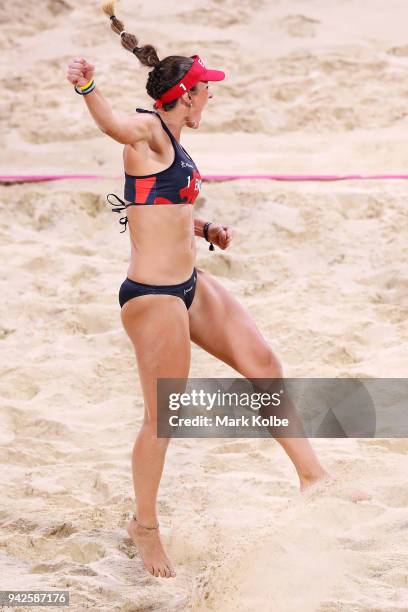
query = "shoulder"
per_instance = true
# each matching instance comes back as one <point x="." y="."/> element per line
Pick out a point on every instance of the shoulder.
<point x="143" y="124"/>
<point x="131" y="128"/>
<point x="148" y="123"/>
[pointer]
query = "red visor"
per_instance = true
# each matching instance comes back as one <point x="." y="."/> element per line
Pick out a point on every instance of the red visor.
<point x="197" y="72"/>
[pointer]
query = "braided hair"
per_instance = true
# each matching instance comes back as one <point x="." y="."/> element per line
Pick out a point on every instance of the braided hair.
<point x="165" y="73"/>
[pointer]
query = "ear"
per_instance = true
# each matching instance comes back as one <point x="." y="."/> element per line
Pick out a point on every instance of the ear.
<point x="186" y="98"/>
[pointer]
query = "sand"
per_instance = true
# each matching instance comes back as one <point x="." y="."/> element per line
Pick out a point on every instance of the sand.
<point x="321" y="267"/>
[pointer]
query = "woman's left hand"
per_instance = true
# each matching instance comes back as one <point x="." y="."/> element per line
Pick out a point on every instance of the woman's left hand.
<point x="220" y="235"/>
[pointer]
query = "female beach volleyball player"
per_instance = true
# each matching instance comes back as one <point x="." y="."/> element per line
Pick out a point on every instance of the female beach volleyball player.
<point x="160" y="174"/>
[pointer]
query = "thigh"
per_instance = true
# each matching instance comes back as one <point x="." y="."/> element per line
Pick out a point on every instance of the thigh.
<point x="220" y="325"/>
<point x="158" y="327"/>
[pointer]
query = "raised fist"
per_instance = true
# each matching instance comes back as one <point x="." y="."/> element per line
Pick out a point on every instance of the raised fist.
<point x="79" y="71"/>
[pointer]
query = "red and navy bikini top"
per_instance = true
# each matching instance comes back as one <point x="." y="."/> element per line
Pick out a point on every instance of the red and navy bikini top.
<point x="180" y="183"/>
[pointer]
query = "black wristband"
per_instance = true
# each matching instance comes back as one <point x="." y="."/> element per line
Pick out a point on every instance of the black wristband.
<point x="205" y="232"/>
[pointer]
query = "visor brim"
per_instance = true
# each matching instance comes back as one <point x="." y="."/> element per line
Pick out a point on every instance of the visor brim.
<point x="213" y="75"/>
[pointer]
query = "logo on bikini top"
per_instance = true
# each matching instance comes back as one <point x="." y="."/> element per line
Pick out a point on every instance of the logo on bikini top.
<point x="186" y="165"/>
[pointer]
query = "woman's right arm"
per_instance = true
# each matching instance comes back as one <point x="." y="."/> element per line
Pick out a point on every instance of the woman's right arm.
<point x="122" y="128"/>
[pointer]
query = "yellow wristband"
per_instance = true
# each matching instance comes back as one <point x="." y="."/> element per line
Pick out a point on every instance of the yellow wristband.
<point x="83" y="87"/>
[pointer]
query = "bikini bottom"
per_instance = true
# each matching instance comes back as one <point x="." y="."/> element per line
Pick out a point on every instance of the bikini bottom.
<point x="185" y="290"/>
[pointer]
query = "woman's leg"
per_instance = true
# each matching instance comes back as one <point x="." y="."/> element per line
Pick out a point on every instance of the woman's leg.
<point x="222" y="327"/>
<point x="158" y="327"/>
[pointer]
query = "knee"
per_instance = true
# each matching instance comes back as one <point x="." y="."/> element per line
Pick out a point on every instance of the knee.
<point x="149" y="432"/>
<point x="269" y="363"/>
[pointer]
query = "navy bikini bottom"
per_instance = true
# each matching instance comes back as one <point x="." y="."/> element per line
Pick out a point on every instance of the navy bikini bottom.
<point x="186" y="290"/>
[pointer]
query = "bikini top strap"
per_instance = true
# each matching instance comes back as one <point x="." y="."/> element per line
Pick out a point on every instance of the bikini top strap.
<point x="142" y="110"/>
<point x="118" y="209"/>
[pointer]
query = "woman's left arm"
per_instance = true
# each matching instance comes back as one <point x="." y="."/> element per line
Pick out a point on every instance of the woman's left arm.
<point x="220" y="235"/>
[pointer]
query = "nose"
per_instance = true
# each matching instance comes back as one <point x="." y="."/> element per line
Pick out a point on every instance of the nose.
<point x="210" y="95"/>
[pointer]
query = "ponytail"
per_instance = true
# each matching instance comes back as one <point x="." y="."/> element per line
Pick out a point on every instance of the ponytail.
<point x="165" y="73"/>
<point x="147" y="54"/>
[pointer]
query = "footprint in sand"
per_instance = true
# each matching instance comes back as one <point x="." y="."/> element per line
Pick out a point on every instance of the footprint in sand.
<point x="14" y="386"/>
<point x="395" y="497"/>
<point x="224" y="15"/>
<point x="389" y="286"/>
<point x="91" y="203"/>
<point x="49" y="568"/>
<point x="225" y="265"/>
<point x="20" y="525"/>
<point x="77" y="249"/>
<point x="85" y="272"/>
<point x="86" y="320"/>
<point x="299" y="26"/>
<point x="81" y="550"/>
<point x="59" y="530"/>
<point x="357" y="544"/>
<point x="45" y="428"/>
<point x="401" y="51"/>
<point x="43" y="263"/>
<point x="6" y="331"/>
<point x="232" y="447"/>
<point x="394" y="446"/>
<point x="21" y="13"/>
<point x="64" y="567"/>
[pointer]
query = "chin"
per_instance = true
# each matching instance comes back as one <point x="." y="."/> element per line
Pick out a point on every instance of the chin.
<point x="194" y="124"/>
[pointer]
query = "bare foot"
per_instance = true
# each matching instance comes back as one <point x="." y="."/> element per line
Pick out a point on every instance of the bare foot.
<point x="332" y="485"/>
<point x="151" y="550"/>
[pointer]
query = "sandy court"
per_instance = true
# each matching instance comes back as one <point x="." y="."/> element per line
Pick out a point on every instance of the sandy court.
<point x="321" y="267"/>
